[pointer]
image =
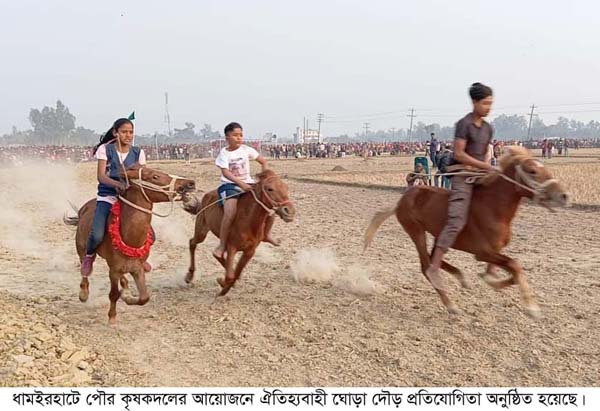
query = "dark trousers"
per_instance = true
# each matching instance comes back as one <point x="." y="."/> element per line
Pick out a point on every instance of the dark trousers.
<point x="458" y="212"/>
<point x="98" y="226"/>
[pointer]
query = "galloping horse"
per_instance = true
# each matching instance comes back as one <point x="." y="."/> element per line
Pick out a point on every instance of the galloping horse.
<point x="269" y="195"/>
<point x="494" y="204"/>
<point x="133" y="237"/>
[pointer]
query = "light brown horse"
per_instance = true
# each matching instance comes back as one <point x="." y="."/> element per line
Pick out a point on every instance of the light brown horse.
<point x="494" y="204"/>
<point x="269" y="195"/>
<point x="147" y="186"/>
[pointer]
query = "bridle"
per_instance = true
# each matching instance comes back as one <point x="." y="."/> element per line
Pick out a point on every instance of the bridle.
<point x="168" y="190"/>
<point x="273" y="205"/>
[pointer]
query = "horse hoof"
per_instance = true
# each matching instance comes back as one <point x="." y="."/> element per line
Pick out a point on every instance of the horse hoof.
<point x="454" y="310"/>
<point x="533" y="312"/>
<point x="189" y="277"/>
<point x="112" y="321"/>
<point x="465" y="284"/>
<point x="83" y="296"/>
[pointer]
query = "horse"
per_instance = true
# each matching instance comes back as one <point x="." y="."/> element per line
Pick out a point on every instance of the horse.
<point x="268" y="196"/>
<point x="494" y="204"/>
<point x="133" y="237"/>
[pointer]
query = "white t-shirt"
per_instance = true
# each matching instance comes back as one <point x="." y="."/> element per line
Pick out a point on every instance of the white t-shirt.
<point x="238" y="162"/>
<point x="101" y="155"/>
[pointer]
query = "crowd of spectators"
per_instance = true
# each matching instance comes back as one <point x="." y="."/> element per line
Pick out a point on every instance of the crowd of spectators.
<point x="19" y="154"/>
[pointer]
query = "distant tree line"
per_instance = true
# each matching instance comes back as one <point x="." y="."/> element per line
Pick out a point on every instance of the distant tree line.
<point x="57" y="126"/>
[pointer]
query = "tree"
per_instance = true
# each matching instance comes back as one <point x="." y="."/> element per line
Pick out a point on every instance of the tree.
<point x="207" y="133"/>
<point x="52" y="125"/>
<point x="510" y="127"/>
<point x="186" y="133"/>
<point x="83" y="136"/>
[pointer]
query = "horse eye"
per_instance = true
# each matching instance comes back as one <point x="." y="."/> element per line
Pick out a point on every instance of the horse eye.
<point x="155" y="177"/>
<point x="269" y="189"/>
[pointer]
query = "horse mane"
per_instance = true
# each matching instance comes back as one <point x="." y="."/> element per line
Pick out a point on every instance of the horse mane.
<point x="513" y="156"/>
<point x="266" y="174"/>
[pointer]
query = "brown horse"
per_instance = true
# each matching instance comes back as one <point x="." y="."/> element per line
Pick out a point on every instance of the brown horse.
<point x="270" y="195"/>
<point x="494" y="204"/>
<point x="148" y="186"/>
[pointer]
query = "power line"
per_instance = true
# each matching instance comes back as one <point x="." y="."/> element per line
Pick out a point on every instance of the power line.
<point x="366" y="125"/>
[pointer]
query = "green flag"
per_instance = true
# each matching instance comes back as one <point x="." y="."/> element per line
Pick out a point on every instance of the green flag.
<point x="131" y="116"/>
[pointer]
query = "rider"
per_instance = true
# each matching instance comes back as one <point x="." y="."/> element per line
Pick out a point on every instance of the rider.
<point x="114" y="151"/>
<point x="471" y="140"/>
<point x="234" y="162"/>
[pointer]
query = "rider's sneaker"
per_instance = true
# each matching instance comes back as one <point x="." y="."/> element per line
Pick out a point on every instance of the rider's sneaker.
<point x="87" y="265"/>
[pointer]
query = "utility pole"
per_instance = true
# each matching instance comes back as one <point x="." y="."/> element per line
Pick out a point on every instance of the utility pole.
<point x="411" y="115"/>
<point x="367" y="130"/>
<point x="167" y="116"/>
<point x="156" y="145"/>
<point x="320" y="118"/>
<point x="301" y="138"/>
<point x="393" y="129"/>
<point x="530" y="120"/>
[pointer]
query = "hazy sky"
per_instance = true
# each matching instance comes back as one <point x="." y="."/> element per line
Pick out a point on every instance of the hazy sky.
<point x="268" y="63"/>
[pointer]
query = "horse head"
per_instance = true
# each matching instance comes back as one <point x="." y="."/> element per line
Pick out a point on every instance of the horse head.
<point x="534" y="180"/>
<point x="273" y="192"/>
<point x="155" y="185"/>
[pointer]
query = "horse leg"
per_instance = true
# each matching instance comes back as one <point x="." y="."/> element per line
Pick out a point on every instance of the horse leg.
<point x="143" y="296"/>
<point x="449" y="268"/>
<point x="244" y="259"/>
<point x="199" y="236"/>
<point x="113" y="296"/>
<point x="125" y="291"/>
<point x="491" y="272"/>
<point x="517" y="277"/>
<point x="227" y="282"/>
<point x="417" y="234"/>
<point x="84" y="289"/>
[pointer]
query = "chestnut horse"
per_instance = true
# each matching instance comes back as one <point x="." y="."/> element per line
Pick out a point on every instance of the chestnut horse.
<point x="494" y="204"/>
<point x="269" y="195"/>
<point x="147" y="186"/>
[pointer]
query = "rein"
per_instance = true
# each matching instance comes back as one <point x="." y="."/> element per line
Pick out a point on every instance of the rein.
<point x="168" y="190"/>
<point x="270" y="210"/>
<point x="529" y="184"/>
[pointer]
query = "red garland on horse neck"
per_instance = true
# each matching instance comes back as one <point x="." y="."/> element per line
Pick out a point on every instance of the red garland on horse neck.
<point x="495" y="201"/>
<point x="148" y="186"/>
<point x="114" y="229"/>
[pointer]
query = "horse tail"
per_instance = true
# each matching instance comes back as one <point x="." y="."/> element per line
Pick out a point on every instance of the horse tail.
<point x="376" y="222"/>
<point x="71" y="220"/>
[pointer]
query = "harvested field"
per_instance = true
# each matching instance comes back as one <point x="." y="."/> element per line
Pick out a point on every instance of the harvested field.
<point x="313" y="312"/>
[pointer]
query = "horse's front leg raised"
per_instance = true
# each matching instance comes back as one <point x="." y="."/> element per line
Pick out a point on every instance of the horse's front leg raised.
<point x="143" y="295"/>
<point x="517" y="277"/>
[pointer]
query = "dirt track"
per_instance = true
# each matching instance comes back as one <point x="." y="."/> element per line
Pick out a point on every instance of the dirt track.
<point x="271" y="330"/>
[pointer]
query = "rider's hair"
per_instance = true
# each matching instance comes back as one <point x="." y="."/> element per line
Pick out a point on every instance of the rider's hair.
<point x="232" y="126"/>
<point x="108" y="136"/>
<point x="479" y="91"/>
